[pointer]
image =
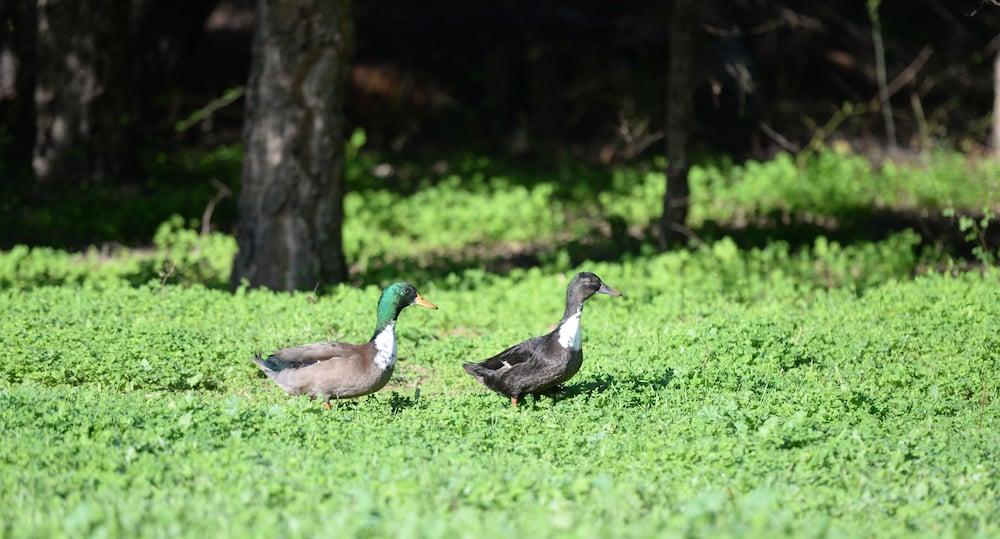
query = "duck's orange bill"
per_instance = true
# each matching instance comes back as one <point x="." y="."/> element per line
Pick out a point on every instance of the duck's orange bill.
<point x="424" y="303"/>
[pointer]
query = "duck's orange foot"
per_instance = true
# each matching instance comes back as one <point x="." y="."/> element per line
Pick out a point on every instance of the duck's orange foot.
<point x="326" y="404"/>
<point x="514" y="401"/>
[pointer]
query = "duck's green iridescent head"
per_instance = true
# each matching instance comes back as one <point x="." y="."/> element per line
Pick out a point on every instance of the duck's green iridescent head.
<point x="394" y="299"/>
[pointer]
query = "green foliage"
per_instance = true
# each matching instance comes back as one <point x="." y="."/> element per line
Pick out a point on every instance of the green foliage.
<point x="475" y="214"/>
<point x="750" y="274"/>
<point x="178" y="183"/>
<point x="974" y="230"/>
<point x="429" y="211"/>
<point x="179" y="255"/>
<point x="826" y="388"/>
<point x="839" y="184"/>
<point x="761" y="393"/>
<point x="183" y="255"/>
<point x="25" y="267"/>
<point x="473" y="207"/>
<point x="448" y="216"/>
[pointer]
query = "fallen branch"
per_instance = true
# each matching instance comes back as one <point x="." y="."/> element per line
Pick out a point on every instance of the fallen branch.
<point x="908" y="74"/>
<point x="222" y="191"/>
<point x="211" y="108"/>
<point x="777" y="137"/>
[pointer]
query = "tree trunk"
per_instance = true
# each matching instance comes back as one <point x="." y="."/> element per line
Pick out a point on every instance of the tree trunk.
<point x="996" y="106"/>
<point x="83" y="106"/>
<point x="680" y="113"/>
<point x="18" y="28"/>
<point x="291" y="202"/>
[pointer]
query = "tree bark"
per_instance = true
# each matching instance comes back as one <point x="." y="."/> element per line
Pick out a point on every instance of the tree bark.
<point x="291" y="202"/>
<point x="82" y="104"/>
<point x="680" y="115"/>
<point x="18" y="28"/>
<point x="996" y="106"/>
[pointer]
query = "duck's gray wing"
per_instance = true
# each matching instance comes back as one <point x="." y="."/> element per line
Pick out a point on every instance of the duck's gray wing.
<point x="297" y="357"/>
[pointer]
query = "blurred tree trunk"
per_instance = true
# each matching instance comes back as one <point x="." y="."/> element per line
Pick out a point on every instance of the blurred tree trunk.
<point x="291" y="203"/>
<point x="680" y="115"/>
<point x="83" y="108"/>
<point x="18" y="27"/>
<point x="996" y="106"/>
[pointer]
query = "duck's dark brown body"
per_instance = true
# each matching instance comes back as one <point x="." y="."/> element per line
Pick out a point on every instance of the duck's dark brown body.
<point x="542" y="363"/>
<point x="532" y="367"/>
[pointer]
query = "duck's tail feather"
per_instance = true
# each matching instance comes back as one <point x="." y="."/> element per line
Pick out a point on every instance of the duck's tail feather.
<point x="264" y="364"/>
<point x="476" y="370"/>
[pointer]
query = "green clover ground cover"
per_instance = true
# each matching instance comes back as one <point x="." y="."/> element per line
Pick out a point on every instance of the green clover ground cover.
<point x="729" y="393"/>
<point x="477" y="208"/>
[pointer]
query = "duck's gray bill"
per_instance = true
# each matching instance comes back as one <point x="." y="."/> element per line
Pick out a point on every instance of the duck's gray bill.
<point x="605" y="289"/>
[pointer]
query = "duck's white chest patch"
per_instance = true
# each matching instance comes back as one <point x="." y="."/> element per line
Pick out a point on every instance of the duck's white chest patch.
<point x="385" y="347"/>
<point x="571" y="332"/>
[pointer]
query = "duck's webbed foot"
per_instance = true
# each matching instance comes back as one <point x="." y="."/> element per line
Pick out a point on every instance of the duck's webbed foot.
<point x="515" y="400"/>
<point x="326" y="403"/>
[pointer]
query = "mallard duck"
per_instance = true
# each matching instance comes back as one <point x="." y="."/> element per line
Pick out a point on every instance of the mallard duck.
<point x="334" y="370"/>
<point x="542" y="363"/>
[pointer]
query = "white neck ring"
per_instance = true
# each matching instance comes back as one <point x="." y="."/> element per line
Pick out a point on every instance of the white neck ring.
<point x="571" y="331"/>
<point x="385" y="347"/>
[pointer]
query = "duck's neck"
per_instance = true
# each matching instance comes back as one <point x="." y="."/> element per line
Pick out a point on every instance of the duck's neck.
<point x="385" y="314"/>
<point x="574" y="304"/>
<point x="571" y="328"/>
<point x="384" y="338"/>
<point x="385" y="345"/>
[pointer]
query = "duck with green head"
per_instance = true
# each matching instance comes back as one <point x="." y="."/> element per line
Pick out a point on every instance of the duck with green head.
<point x="333" y="370"/>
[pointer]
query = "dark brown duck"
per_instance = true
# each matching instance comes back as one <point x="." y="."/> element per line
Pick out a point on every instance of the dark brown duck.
<point x="544" y="362"/>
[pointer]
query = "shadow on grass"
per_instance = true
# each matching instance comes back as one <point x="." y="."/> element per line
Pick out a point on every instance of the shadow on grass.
<point x="502" y="259"/>
<point x="398" y="403"/>
<point x="616" y="241"/>
<point x="857" y="225"/>
<point x="183" y="182"/>
<point x="630" y="383"/>
<point x="613" y="240"/>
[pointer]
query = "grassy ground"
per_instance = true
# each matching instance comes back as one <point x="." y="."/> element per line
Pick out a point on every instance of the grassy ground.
<point x="727" y="394"/>
<point x="762" y="385"/>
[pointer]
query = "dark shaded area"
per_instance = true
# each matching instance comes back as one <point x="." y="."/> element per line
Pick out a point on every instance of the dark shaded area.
<point x="859" y="225"/>
<point x="629" y="383"/>
<point x="566" y="76"/>
<point x="529" y="77"/>
<point x="399" y="403"/>
<point x="535" y="83"/>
